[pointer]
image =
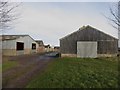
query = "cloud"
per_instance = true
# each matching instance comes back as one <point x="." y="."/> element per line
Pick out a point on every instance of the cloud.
<point x="51" y="24"/>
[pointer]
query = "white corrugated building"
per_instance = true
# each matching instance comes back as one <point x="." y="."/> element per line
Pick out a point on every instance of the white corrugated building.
<point x="13" y="45"/>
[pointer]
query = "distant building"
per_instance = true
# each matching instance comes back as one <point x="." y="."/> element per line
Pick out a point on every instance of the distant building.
<point x="47" y="48"/>
<point x="56" y="48"/>
<point x="13" y="45"/>
<point x="88" y="42"/>
<point x="41" y="47"/>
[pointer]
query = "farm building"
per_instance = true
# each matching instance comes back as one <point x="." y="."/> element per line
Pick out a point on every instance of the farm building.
<point x="88" y="42"/>
<point x="41" y="47"/>
<point x="48" y="48"/>
<point x="56" y="48"/>
<point x="13" y="45"/>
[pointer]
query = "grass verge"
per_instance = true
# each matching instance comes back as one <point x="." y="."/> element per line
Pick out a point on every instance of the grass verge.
<point x="78" y="73"/>
<point x="8" y="64"/>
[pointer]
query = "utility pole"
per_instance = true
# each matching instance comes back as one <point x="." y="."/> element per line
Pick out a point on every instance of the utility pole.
<point x="118" y="25"/>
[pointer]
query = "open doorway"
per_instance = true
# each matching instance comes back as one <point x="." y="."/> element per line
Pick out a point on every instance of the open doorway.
<point x="19" y="46"/>
<point x="33" y="46"/>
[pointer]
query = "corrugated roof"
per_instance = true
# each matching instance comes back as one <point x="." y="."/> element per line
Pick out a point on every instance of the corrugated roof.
<point x="11" y="37"/>
<point x="84" y="28"/>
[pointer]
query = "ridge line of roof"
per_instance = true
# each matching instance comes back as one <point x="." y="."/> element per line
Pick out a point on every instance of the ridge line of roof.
<point x="81" y="28"/>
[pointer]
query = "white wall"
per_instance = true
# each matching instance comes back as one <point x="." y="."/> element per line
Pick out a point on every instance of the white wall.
<point x="9" y="44"/>
<point x="27" y="42"/>
<point x="86" y="49"/>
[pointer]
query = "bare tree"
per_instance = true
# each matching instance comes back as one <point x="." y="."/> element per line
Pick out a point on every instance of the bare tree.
<point x="7" y="14"/>
<point x="115" y="19"/>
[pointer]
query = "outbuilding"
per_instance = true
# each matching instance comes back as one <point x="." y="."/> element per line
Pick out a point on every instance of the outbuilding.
<point x="88" y="42"/>
<point x="41" y="48"/>
<point x="56" y="48"/>
<point x="13" y="45"/>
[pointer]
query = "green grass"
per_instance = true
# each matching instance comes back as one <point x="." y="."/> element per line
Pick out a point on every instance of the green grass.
<point x="8" y="64"/>
<point x="0" y="67"/>
<point x="78" y="73"/>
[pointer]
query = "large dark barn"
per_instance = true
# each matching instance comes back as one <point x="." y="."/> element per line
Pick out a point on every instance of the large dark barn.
<point x="88" y="42"/>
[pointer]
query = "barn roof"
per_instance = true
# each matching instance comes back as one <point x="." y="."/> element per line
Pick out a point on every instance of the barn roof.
<point x="56" y="47"/>
<point x="12" y="37"/>
<point x="84" y="28"/>
<point x="46" y="46"/>
<point x="40" y="42"/>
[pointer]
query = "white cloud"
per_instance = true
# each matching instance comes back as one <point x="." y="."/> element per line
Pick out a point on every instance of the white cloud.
<point x="64" y="0"/>
<point x="54" y="23"/>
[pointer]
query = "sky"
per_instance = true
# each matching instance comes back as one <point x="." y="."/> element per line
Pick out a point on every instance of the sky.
<point x="50" y="21"/>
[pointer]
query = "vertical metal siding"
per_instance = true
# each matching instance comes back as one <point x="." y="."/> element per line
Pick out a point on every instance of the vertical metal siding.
<point x="106" y="43"/>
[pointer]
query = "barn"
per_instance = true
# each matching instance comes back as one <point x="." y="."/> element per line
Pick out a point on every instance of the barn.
<point x="88" y="42"/>
<point x="13" y="45"/>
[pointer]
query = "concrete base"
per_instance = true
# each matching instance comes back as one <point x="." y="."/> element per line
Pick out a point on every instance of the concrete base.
<point x="13" y="52"/>
<point x="106" y="55"/>
<point x="98" y="55"/>
<point x="68" y="55"/>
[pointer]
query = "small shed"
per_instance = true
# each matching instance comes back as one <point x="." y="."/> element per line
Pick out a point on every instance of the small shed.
<point x="88" y="42"/>
<point x="13" y="45"/>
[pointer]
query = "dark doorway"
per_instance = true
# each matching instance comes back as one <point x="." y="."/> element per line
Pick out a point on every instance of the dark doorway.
<point x="20" y="46"/>
<point x="33" y="46"/>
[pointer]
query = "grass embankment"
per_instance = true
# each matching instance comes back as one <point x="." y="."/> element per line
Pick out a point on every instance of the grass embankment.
<point x="8" y="64"/>
<point x="78" y="73"/>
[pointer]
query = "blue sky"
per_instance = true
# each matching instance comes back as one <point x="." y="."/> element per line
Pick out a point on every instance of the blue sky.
<point x="51" y="21"/>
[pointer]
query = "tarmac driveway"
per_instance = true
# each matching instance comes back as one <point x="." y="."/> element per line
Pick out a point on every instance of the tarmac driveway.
<point x="28" y="67"/>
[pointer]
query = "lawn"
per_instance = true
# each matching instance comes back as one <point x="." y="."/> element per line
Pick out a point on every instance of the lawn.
<point x="78" y="73"/>
<point x="8" y="64"/>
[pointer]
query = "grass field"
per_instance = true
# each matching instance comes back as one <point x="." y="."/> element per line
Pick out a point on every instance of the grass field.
<point x="78" y="73"/>
<point x="7" y="64"/>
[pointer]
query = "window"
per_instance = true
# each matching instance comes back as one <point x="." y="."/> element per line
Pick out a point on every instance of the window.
<point x="33" y="46"/>
<point x="20" y="46"/>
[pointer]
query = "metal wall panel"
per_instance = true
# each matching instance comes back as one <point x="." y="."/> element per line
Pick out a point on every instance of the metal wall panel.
<point x="106" y="43"/>
<point x="27" y="42"/>
<point x="87" y="49"/>
<point x="9" y="44"/>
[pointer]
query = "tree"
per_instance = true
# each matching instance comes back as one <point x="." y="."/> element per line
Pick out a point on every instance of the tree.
<point x="116" y="20"/>
<point x="7" y="14"/>
<point x="115" y="16"/>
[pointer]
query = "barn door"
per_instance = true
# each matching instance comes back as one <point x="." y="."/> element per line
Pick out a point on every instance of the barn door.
<point x="87" y="49"/>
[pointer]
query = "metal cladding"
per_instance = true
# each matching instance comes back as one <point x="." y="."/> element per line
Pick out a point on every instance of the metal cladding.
<point x="106" y="44"/>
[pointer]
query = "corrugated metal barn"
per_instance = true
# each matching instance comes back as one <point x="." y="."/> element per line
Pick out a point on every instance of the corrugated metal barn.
<point x="13" y="45"/>
<point x="88" y="42"/>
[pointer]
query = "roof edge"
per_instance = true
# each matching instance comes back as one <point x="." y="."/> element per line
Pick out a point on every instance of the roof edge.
<point x="87" y="26"/>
